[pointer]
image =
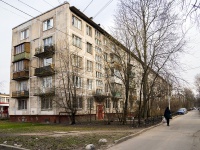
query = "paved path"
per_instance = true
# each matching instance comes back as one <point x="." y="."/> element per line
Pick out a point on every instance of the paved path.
<point x="182" y="134"/>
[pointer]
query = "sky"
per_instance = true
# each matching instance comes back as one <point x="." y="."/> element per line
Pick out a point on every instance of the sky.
<point x="11" y="17"/>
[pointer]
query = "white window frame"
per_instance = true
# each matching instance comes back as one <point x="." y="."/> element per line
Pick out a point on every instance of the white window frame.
<point x="22" y="104"/>
<point x="19" y="66"/>
<point x="77" y="41"/>
<point x="46" y="103"/>
<point x="77" y="81"/>
<point x="89" y="47"/>
<point x="79" y="102"/>
<point x="47" y="82"/>
<point x="90" y="103"/>
<point x="48" y="24"/>
<point x="77" y="61"/>
<point x="47" y="61"/>
<point x="88" y="30"/>
<point x="24" y="34"/>
<point x="89" y="84"/>
<point x="97" y="34"/>
<point x="48" y="41"/>
<point x="107" y="103"/>
<point x="89" y="66"/>
<point x="22" y="86"/>
<point x="76" y="22"/>
<point x="98" y="74"/>
<point x="19" y="49"/>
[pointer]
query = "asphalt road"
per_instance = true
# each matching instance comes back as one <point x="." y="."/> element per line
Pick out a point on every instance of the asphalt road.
<point x="182" y="134"/>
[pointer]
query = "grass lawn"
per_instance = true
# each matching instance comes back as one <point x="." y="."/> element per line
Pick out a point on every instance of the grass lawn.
<point x="37" y="136"/>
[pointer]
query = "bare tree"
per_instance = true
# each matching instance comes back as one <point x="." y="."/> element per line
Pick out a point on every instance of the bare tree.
<point x="69" y="80"/>
<point x="149" y="29"/>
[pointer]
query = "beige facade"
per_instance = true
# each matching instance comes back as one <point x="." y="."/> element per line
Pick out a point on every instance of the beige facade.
<point x="35" y="65"/>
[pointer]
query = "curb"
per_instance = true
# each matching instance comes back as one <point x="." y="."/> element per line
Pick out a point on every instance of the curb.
<point x="9" y="147"/>
<point x="132" y="135"/>
<point x="135" y="134"/>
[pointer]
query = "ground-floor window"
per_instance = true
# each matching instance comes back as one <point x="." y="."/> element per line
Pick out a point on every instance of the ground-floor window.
<point x="107" y="103"/>
<point x="22" y="104"/>
<point x="79" y="102"/>
<point x="90" y="103"/>
<point x="46" y="103"/>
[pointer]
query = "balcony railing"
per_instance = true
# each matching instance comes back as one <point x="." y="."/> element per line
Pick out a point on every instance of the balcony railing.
<point x="21" y="56"/>
<point x="20" y="94"/>
<point x="44" y="51"/>
<point x="45" y="71"/>
<point x="117" y="94"/>
<point x="22" y="75"/>
<point x="44" y="91"/>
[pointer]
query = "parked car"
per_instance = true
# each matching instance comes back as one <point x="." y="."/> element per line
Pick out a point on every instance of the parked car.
<point x="181" y="111"/>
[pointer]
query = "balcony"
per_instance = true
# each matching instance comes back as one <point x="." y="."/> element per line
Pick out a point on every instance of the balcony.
<point x="20" y="94"/>
<point x="45" y="51"/>
<point x="22" y="75"/>
<point x="45" y="71"/>
<point x="21" y="56"/>
<point x="44" y="91"/>
<point x="117" y="94"/>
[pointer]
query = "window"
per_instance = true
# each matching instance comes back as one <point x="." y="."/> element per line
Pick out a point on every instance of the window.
<point x="88" y="30"/>
<point x="97" y="41"/>
<point x="47" y="61"/>
<point x="19" y="49"/>
<point x="90" y="103"/>
<point x="89" y="48"/>
<point x="48" y="24"/>
<point x="89" y="66"/>
<point x="22" y="104"/>
<point x="98" y="49"/>
<point x="24" y="34"/>
<point x="115" y="104"/>
<point x="107" y="103"/>
<point x="89" y="84"/>
<point x="22" y="86"/>
<point x="98" y="66"/>
<point x="46" y="103"/>
<point x="106" y="57"/>
<point x="19" y="66"/>
<point x="97" y="34"/>
<point x="76" y="22"/>
<point x="77" y="61"/>
<point x="77" y="81"/>
<point x="99" y="83"/>
<point x="47" y="82"/>
<point x="48" y="41"/>
<point x="105" y="42"/>
<point x="79" y="102"/>
<point x="99" y="91"/>
<point x="106" y="87"/>
<point x="98" y="58"/>
<point x="76" y="41"/>
<point x="98" y="74"/>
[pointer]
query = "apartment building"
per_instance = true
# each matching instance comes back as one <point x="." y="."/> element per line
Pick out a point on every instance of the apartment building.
<point x="36" y="73"/>
<point x="4" y="105"/>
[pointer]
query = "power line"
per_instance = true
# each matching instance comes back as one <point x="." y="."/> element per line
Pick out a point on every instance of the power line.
<point x="41" y="21"/>
<point x="30" y="6"/>
<point x="16" y="8"/>
<point x="103" y="8"/>
<point x="48" y="3"/>
<point x="87" y="6"/>
<point x="13" y="12"/>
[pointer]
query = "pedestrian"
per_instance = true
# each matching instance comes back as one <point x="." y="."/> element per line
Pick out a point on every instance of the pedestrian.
<point x="167" y="115"/>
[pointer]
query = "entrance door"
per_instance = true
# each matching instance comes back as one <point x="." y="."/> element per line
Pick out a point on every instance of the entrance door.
<point x="100" y="112"/>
